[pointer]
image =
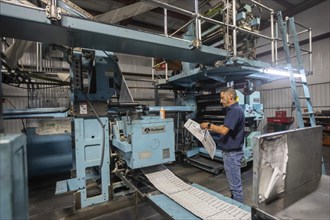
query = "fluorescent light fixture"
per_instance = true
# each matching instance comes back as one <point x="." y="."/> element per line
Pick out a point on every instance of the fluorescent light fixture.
<point x="280" y="72"/>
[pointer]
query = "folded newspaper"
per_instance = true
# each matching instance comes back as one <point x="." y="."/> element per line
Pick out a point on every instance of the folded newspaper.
<point x="203" y="135"/>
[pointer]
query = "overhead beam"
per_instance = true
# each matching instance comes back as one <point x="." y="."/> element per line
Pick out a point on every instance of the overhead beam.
<point x="21" y="22"/>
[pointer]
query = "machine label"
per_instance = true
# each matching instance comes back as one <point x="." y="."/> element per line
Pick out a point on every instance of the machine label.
<point x="145" y="155"/>
<point x="83" y="108"/>
<point x="153" y="129"/>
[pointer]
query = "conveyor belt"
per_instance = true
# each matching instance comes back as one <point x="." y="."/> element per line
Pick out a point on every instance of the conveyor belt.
<point x="198" y="202"/>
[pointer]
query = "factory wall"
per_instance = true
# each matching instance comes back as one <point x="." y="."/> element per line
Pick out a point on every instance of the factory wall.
<point x="138" y="74"/>
<point x="18" y="98"/>
<point x="277" y="95"/>
<point x="15" y="98"/>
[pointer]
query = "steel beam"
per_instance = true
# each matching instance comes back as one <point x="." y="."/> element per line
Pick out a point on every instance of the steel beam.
<point x="31" y="23"/>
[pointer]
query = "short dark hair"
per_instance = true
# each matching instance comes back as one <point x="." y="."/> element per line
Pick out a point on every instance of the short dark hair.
<point x="231" y="91"/>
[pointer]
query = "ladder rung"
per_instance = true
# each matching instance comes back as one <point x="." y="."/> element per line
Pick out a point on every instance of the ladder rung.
<point x="300" y="82"/>
<point x="303" y="97"/>
<point x="307" y="113"/>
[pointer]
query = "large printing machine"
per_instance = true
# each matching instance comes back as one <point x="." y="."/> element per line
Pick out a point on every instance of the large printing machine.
<point x="111" y="136"/>
<point x="209" y="109"/>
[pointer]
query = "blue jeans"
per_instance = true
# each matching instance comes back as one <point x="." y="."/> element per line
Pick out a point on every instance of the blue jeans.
<point x="232" y="164"/>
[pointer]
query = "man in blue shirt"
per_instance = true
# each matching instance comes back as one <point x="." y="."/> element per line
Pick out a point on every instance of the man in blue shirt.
<point x="231" y="141"/>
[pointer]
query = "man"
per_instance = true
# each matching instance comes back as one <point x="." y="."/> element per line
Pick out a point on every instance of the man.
<point x="231" y="141"/>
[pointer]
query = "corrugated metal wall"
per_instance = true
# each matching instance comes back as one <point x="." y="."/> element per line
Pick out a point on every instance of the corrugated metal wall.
<point x="142" y="86"/>
<point x="277" y="95"/>
<point x="14" y="98"/>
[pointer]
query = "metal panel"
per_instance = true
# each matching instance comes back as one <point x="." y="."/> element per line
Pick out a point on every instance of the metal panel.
<point x="89" y="139"/>
<point x="49" y="152"/>
<point x="304" y="157"/>
<point x="152" y="141"/>
<point x="13" y="177"/>
<point x="308" y="202"/>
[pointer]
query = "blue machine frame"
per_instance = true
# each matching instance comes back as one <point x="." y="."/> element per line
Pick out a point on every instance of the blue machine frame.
<point x="92" y="151"/>
<point x="144" y="142"/>
<point x="13" y="176"/>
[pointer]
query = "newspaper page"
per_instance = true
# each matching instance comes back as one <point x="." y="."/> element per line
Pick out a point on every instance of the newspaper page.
<point x="203" y="135"/>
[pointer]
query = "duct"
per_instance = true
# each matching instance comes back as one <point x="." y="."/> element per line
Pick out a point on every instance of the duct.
<point x="125" y="94"/>
<point x="126" y="12"/>
<point x="2" y="129"/>
<point x="16" y="51"/>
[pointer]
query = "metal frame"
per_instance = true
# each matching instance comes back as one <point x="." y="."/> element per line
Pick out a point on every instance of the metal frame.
<point x="198" y="18"/>
<point x="88" y="147"/>
<point x="13" y="175"/>
<point x="303" y="167"/>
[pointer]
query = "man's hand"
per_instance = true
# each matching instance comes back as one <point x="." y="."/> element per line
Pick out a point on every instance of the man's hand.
<point x="204" y="125"/>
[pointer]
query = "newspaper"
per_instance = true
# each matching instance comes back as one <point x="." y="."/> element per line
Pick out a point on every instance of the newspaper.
<point x="200" y="202"/>
<point x="203" y="135"/>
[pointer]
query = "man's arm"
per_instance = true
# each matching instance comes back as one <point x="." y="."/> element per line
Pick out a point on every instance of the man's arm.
<point x="223" y="130"/>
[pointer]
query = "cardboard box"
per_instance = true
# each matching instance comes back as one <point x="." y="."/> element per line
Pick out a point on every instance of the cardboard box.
<point x="326" y="140"/>
<point x="280" y="114"/>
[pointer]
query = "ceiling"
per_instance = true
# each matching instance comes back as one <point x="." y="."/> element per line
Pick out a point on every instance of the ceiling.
<point x="144" y="16"/>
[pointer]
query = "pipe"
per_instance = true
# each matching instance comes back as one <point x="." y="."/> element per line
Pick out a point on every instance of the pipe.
<point x="37" y="56"/>
<point x="261" y="5"/>
<point x="165" y="22"/>
<point x="227" y="27"/>
<point x="166" y="71"/>
<point x="152" y="69"/>
<point x="301" y="25"/>
<point x="276" y="41"/>
<point x="185" y="25"/>
<point x="2" y="129"/>
<point x="197" y="23"/>
<point x="272" y="35"/>
<point x="234" y="31"/>
<point x="166" y="35"/>
<point x="310" y="50"/>
<point x="301" y="32"/>
<point x="232" y="26"/>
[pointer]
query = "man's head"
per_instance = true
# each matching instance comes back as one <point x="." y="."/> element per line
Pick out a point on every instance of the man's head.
<point x="228" y="96"/>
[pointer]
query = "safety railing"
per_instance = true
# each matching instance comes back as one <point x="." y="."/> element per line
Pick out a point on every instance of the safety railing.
<point x="231" y="24"/>
<point x="305" y="35"/>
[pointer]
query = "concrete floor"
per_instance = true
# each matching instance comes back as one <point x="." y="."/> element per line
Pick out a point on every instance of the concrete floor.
<point x="43" y="204"/>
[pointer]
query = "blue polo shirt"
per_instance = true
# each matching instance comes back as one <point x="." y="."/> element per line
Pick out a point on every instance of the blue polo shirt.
<point x="235" y="121"/>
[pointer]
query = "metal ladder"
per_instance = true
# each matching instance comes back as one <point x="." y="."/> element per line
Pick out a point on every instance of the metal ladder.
<point x="293" y="82"/>
<point x="296" y="98"/>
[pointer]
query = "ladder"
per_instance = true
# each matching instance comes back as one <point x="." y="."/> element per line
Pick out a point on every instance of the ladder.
<point x="303" y="81"/>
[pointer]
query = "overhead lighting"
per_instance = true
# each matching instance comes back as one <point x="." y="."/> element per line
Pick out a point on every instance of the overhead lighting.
<point x="279" y="72"/>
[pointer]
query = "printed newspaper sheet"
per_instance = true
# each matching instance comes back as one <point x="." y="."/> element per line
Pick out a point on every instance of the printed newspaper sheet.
<point x="203" y="135"/>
